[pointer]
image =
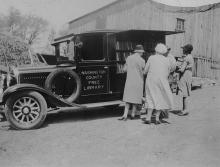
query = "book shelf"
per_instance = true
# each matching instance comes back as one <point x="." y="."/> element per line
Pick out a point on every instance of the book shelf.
<point x="123" y="49"/>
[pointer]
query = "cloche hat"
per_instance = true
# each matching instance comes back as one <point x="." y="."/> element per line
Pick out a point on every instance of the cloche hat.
<point x="139" y="49"/>
<point x="161" y="48"/>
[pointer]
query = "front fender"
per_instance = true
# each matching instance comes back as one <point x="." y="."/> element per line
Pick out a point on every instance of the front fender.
<point x="50" y="98"/>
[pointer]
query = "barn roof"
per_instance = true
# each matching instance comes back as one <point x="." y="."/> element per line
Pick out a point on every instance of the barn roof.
<point x="104" y="31"/>
<point x="172" y="9"/>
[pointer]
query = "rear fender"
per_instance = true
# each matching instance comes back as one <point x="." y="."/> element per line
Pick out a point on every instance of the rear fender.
<point x="51" y="99"/>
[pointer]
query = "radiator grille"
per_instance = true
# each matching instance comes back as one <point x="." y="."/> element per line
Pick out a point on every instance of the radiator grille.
<point x="34" y="78"/>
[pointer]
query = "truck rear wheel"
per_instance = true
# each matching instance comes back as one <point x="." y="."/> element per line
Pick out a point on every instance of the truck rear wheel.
<point x="26" y="110"/>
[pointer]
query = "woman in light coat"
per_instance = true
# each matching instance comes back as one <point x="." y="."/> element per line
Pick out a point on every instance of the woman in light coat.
<point x="133" y="91"/>
<point x="158" y="93"/>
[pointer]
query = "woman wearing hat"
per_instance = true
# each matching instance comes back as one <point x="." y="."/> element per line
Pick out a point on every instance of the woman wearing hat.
<point x="186" y="77"/>
<point x="133" y="91"/>
<point x="158" y="93"/>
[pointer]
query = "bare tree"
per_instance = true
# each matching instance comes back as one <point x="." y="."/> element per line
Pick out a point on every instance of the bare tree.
<point x="49" y="48"/>
<point x="32" y="27"/>
<point x="27" y="27"/>
<point x="17" y="33"/>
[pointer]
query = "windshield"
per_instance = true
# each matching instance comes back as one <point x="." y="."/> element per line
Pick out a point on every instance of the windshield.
<point x="69" y="49"/>
<point x="65" y="50"/>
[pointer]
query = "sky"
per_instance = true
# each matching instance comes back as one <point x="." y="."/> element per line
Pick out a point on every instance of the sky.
<point x="187" y="3"/>
<point x="59" y="12"/>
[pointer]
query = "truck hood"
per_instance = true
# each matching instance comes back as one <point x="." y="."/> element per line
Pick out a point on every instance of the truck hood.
<point x="41" y="68"/>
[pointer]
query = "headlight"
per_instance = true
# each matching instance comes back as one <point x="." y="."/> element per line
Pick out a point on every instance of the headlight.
<point x="15" y="72"/>
<point x="11" y="80"/>
<point x="7" y="80"/>
<point x="3" y="81"/>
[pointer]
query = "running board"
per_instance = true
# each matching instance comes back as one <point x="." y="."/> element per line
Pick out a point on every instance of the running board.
<point x="102" y="104"/>
<point x="86" y="106"/>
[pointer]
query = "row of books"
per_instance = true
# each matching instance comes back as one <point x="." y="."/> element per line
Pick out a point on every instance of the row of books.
<point x="125" y="45"/>
<point x="130" y="45"/>
<point x="120" y="68"/>
<point x="122" y="56"/>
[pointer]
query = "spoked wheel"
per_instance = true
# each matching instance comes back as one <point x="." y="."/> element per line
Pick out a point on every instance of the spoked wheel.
<point x="26" y="110"/>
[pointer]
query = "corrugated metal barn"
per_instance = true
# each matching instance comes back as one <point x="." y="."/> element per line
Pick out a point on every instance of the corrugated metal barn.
<point x="201" y="27"/>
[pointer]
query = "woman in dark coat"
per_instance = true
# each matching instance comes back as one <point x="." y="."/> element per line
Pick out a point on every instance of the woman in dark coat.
<point x="186" y="77"/>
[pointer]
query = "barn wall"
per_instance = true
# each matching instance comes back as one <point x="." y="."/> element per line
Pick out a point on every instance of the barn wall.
<point x="202" y="27"/>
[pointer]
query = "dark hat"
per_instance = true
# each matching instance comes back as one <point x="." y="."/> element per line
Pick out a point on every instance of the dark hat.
<point x="187" y="47"/>
<point x="139" y="49"/>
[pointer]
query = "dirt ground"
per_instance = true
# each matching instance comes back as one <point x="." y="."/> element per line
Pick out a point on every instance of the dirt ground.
<point x="96" y="138"/>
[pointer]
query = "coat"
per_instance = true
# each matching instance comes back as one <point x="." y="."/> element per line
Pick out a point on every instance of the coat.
<point x="158" y="92"/>
<point x="185" y="81"/>
<point x="133" y="90"/>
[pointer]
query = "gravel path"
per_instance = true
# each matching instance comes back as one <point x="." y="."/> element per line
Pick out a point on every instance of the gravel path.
<point x="95" y="138"/>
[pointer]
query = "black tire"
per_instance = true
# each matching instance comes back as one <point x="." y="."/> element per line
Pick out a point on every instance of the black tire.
<point x="61" y="72"/>
<point x="26" y="110"/>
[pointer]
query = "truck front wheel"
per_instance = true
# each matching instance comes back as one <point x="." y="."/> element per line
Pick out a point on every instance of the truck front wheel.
<point x="26" y="110"/>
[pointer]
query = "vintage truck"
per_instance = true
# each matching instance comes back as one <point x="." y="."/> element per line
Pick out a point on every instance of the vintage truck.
<point x="86" y="71"/>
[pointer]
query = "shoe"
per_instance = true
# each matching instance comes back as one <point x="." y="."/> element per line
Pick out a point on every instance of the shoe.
<point x="183" y="113"/>
<point x="147" y="122"/>
<point x="135" y="117"/>
<point x="157" y="122"/>
<point x="131" y="117"/>
<point x="122" y="119"/>
<point x="164" y="115"/>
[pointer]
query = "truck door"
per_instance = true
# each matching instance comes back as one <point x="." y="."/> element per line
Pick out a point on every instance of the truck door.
<point x="92" y="67"/>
